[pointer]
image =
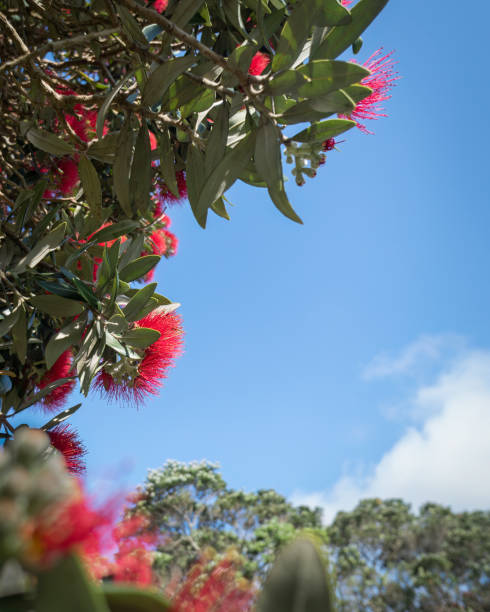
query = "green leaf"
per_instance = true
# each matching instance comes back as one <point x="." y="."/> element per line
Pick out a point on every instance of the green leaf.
<point x="181" y="92"/>
<point x="9" y="321"/>
<point x="185" y="10"/>
<point x="202" y="102"/>
<point x="357" y="45"/>
<point x="331" y="13"/>
<point x="104" y="149"/>
<point x="48" y="142"/>
<point x="131" y="27"/>
<point x="19" y="335"/>
<point x="358" y="92"/>
<point x="317" y="78"/>
<point x="163" y="76"/>
<point x="122" y="168"/>
<point x="167" y="162"/>
<point x="66" y="338"/>
<point x="297" y="582"/>
<point x="131" y="599"/>
<point x="114" y="231"/>
<point x="91" y="185"/>
<point x="216" y="143"/>
<point x="16" y="603"/>
<point x="340" y="38"/>
<point x="138" y="268"/>
<point x="57" y="306"/>
<point x="269" y="166"/>
<point x="43" y="247"/>
<point x="219" y="208"/>
<point x="37" y="397"/>
<point x="140" y="180"/>
<point x="30" y="200"/>
<point x="141" y="337"/>
<point x="318" y="132"/>
<point x="132" y="310"/>
<point x="334" y="102"/>
<point x="66" y="586"/>
<point x="99" y="126"/>
<point x="195" y="175"/>
<point x="300" y="113"/>
<point x="122" y="349"/>
<point x="60" y="417"/>
<point x="225" y="174"/>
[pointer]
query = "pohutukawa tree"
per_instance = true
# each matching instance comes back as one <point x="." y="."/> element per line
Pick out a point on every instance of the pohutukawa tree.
<point x="111" y="112"/>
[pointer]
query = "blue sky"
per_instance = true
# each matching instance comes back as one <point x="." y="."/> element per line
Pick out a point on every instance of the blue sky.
<point x="314" y="354"/>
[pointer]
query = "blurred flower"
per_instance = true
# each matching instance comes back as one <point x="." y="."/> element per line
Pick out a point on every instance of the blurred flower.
<point x="259" y="63"/>
<point x="346" y="3"/>
<point x="163" y="243"/>
<point x="129" y="380"/>
<point x="163" y="195"/>
<point x="159" y="5"/>
<point x="66" y="441"/>
<point x="69" y="177"/>
<point x="62" y="368"/>
<point x="381" y="81"/>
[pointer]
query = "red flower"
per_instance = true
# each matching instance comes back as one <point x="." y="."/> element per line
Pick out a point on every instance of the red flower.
<point x="62" y="368"/>
<point x="163" y="195"/>
<point x="70" y="177"/>
<point x="159" y="5"/>
<point x="259" y="63"/>
<point x="346" y="2"/>
<point x="149" y="373"/>
<point x="66" y="441"/>
<point x="380" y="81"/>
<point x="163" y="243"/>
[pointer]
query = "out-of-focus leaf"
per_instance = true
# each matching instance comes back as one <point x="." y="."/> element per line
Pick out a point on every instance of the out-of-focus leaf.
<point x="141" y="337"/>
<point x="48" y="142"/>
<point x="9" y="321"/>
<point x="99" y="126"/>
<point x="66" y="586"/>
<point x="131" y="599"/>
<point x="297" y="582"/>
<point x="19" y="335"/>
<point x="91" y="185"/>
<point x="167" y="162"/>
<point x="132" y="310"/>
<point x="150" y="32"/>
<point x="60" y="417"/>
<point x="163" y="76"/>
<point x="140" y="181"/>
<point x="318" y="132"/>
<point x="42" y="248"/>
<point x="225" y="173"/>
<point x="340" y="38"/>
<point x="122" y="168"/>
<point x="57" y="306"/>
<point x="139" y="267"/>
<point x="130" y="26"/>
<point x="269" y="166"/>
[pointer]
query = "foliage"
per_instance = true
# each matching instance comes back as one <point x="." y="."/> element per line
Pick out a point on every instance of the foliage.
<point x="111" y="111"/>
<point x="387" y="558"/>
<point x="194" y="509"/>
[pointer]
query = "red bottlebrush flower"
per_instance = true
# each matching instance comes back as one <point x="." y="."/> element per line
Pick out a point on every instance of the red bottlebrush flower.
<point x="163" y="195"/>
<point x="259" y="63"/>
<point x="346" y="3"/>
<point x="70" y="177"/>
<point x="62" y="368"/>
<point x="148" y="374"/>
<point x="159" y="5"/>
<point x="66" y="441"/>
<point x="381" y="81"/>
<point x="164" y="243"/>
<point x="153" y="140"/>
<point x="133" y="559"/>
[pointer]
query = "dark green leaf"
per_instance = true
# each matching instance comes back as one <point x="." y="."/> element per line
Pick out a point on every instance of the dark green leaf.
<point x="139" y="267"/>
<point x="181" y="92"/>
<point x="331" y="13"/>
<point x="122" y="168"/>
<point x="60" y="287"/>
<point x="163" y="76"/>
<point x="340" y="38"/>
<point x="219" y="208"/>
<point x="60" y="417"/>
<point x="86" y="292"/>
<point x="19" y="335"/>
<point x="319" y="132"/>
<point x="357" y="45"/>
<point x="185" y="10"/>
<point x="131" y="599"/>
<point x="48" y="142"/>
<point x="91" y="185"/>
<point x="140" y="181"/>
<point x="225" y="174"/>
<point x="57" y="306"/>
<point x="66" y="338"/>
<point x="130" y="26"/>
<point x="42" y="248"/>
<point x="167" y="162"/>
<point x="335" y="102"/>
<point x="141" y="337"/>
<point x="216" y="143"/>
<point x="300" y="113"/>
<point x="202" y="102"/>
<point x="297" y="582"/>
<point x="66" y="586"/>
<point x="9" y="321"/>
<point x="122" y="349"/>
<point x="132" y="310"/>
<point x="104" y="149"/>
<point x="114" y="231"/>
<point x="30" y="200"/>
<point x="37" y="397"/>
<point x="99" y="126"/>
<point x="269" y="166"/>
<point x="195" y="175"/>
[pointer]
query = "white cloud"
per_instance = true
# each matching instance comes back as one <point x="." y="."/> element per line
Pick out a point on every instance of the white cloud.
<point x="413" y="357"/>
<point x="445" y="460"/>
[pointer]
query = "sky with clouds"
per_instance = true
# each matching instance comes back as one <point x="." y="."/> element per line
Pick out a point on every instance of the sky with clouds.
<point x="348" y="357"/>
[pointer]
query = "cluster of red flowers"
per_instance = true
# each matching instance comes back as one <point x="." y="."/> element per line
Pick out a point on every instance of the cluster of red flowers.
<point x="62" y="368"/>
<point x="65" y="440"/>
<point x="153" y="366"/>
